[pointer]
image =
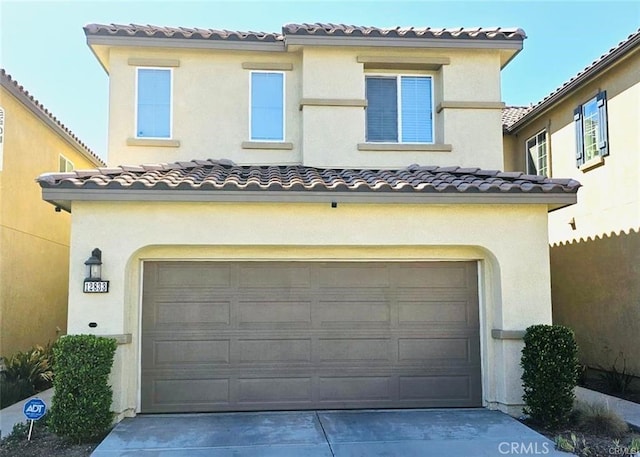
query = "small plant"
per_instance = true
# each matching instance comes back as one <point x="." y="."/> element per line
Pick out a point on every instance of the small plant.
<point x="572" y="444"/>
<point x="550" y="372"/>
<point x="597" y="419"/>
<point x="81" y="406"/>
<point x="617" y="381"/>
<point x="26" y="373"/>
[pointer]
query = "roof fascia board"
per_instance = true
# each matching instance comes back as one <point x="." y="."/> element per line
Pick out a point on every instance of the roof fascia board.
<point x="57" y="194"/>
<point x="29" y="104"/>
<point x="401" y="42"/>
<point x="185" y="43"/>
<point x="615" y="58"/>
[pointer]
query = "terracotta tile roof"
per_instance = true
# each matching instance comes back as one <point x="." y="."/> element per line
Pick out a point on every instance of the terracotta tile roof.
<point x="404" y="32"/>
<point x="601" y="63"/>
<point x="512" y="114"/>
<point x="224" y="175"/>
<point x="25" y="97"/>
<point x="153" y="31"/>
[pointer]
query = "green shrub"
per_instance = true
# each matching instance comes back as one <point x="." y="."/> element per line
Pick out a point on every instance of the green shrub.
<point x="550" y="372"/>
<point x="25" y="374"/>
<point x="80" y="410"/>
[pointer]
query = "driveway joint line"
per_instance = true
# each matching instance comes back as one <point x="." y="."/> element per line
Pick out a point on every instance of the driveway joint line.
<point x="324" y="432"/>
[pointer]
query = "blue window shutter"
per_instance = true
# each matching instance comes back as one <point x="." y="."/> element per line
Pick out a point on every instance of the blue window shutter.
<point x="417" y="122"/>
<point x="577" y="119"/>
<point x="267" y="106"/>
<point x="603" y="143"/>
<point x="382" y="109"/>
<point x="154" y="103"/>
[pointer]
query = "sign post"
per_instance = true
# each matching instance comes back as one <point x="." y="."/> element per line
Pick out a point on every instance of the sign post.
<point x="33" y="410"/>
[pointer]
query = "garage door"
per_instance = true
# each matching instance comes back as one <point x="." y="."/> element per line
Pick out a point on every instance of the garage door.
<point x="242" y="336"/>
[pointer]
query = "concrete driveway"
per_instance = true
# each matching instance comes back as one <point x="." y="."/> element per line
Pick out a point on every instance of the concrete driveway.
<point x="451" y="433"/>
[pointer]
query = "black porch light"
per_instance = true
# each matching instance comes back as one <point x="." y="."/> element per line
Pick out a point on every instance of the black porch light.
<point x="94" y="265"/>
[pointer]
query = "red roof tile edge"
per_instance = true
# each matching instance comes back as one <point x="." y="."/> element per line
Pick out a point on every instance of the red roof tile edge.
<point x="6" y="78"/>
<point x="317" y="29"/>
<point x="225" y="175"/>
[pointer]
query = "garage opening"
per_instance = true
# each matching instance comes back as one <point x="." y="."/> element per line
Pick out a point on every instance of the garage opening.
<point x="251" y="336"/>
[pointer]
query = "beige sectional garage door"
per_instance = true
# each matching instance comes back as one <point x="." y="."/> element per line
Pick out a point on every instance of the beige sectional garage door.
<point x="239" y="336"/>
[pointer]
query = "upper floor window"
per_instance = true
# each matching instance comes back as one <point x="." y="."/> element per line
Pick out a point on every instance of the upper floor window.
<point x="399" y="109"/>
<point x="153" y="119"/>
<point x="591" y="129"/>
<point x="267" y="106"/>
<point x="64" y="164"/>
<point x="537" y="163"/>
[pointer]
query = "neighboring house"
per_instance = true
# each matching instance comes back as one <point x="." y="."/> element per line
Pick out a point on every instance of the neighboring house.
<point x="34" y="239"/>
<point x="589" y="130"/>
<point x="309" y="263"/>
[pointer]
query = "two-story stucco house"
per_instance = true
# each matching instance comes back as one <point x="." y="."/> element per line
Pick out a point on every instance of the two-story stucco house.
<point x="34" y="239"/>
<point x="320" y="222"/>
<point x="589" y="129"/>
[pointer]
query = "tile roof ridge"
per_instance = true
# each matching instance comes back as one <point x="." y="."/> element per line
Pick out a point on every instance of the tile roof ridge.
<point x="8" y="80"/>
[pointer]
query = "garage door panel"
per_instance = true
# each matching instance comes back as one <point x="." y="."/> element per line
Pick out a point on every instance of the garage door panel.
<point x="281" y="312"/>
<point x="419" y="312"/>
<point x="451" y="277"/>
<point x="274" y="390"/>
<point x="290" y="335"/>
<point x="197" y="274"/>
<point x="184" y="314"/>
<point x="349" y="311"/>
<point x="288" y="277"/>
<point x="355" y="388"/>
<point x="273" y="350"/>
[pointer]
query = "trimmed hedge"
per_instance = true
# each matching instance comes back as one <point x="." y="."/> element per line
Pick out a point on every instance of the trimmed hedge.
<point x="550" y="373"/>
<point x="81" y="405"/>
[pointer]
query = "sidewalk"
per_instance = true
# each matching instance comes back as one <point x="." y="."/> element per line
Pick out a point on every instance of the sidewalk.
<point x="13" y="414"/>
<point x="628" y="410"/>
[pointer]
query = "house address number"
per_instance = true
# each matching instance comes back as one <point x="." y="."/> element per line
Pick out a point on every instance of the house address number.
<point x="96" y="287"/>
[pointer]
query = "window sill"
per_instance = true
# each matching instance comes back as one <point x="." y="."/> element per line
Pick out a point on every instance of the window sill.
<point x="157" y="142"/>
<point x="266" y="145"/>
<point x="404" y="147"/>
<point x="591" y="164"/>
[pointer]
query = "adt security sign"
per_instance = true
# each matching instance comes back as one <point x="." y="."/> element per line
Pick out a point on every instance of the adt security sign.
<point x="34" y="409"/>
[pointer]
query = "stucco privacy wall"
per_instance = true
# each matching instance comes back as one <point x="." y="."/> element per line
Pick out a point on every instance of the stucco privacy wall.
<point x="34" y="240"/>
<point x="508" y="240"/>
<point x="211" y="107"/>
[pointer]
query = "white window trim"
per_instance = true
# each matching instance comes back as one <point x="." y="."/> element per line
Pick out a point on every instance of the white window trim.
<point x="66" y="161"/>
<point x="284" y="106"/>
<point x="135" y="102"/>
<point x="398" y="77"/>
<point x="526" y="151"/>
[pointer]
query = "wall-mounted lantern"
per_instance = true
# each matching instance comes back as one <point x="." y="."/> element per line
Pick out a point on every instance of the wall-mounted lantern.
<point x="93" y="282"/>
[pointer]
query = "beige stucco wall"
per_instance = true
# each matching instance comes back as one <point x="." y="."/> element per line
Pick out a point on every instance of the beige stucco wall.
<point x="211" y="108"/>
<point x="34" y="239"/>
<point x="594" y="267"/>
<point x="509" y="241"/>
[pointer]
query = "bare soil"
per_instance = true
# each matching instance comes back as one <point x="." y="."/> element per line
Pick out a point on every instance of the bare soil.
<point x="43" y="444"/>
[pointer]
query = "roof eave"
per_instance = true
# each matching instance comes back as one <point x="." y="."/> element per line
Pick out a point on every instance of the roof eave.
<point x="184" y="43"/>
<point x="614" y="58"/>
<point x="63" y="197"/>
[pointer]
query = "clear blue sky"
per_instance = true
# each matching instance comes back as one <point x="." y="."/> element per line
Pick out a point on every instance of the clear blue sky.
<point x="43" y="45"/>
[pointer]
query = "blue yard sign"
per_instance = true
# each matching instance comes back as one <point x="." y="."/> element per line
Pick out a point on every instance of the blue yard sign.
<point x="34" y="409"/>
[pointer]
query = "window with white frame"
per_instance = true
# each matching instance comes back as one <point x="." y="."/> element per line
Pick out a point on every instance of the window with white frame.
<point x="537" y="154"/>
<point x="399" y="109"/>
<point x="590" y="120"/>
<point x="267" y="106"/>
<point x="153" y="104"/>
<point x="64" y="164"/>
